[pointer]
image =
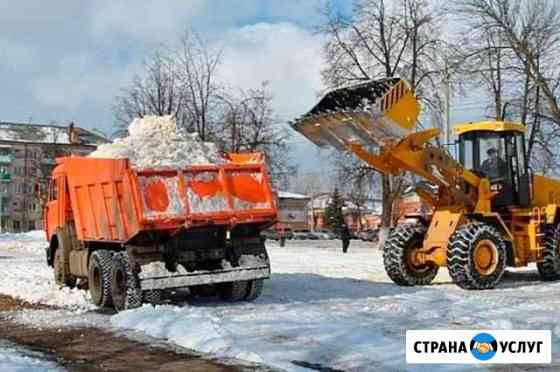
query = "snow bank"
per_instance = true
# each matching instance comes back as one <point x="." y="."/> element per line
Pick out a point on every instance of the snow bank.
<point x="16" y="359"/>
<point x="156" y="141"/>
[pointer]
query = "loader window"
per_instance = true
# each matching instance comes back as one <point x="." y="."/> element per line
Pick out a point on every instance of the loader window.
<point x="492" y="156"/>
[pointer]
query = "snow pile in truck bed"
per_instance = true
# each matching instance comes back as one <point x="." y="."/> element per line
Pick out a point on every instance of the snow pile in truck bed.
<point x="156" y="141"/>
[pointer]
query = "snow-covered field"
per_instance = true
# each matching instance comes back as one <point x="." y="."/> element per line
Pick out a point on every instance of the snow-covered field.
<point x="320" y="307"/>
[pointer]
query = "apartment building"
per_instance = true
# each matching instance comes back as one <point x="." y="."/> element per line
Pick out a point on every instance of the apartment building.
<point x="27" y="155"/>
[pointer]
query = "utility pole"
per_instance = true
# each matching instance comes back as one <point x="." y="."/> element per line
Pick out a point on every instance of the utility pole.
<point x="447" y="89"/>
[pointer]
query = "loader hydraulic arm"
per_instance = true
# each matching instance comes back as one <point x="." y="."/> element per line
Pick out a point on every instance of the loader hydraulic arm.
<point x="455" y="184"/>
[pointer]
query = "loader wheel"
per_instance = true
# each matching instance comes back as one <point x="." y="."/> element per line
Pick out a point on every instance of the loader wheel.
<point x="233" y="291"/>
<point x="153" y="296"/>
<point x="99" y="278"/>
<point x="398" y="257"/>
<point x="254" y="289"/>
<point x="60" y="277"/>
<point x="125" y="284"/>
<point x="549" y="267"/>
<point x="476" y="257"/>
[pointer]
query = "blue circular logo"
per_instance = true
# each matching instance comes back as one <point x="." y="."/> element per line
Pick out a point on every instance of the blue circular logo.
<point x="483" y="346"/>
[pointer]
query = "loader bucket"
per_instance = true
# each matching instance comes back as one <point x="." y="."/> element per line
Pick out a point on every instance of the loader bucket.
<point x="373" y="112"/>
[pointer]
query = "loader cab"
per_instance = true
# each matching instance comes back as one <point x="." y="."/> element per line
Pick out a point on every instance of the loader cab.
<point x="496" y="150"/>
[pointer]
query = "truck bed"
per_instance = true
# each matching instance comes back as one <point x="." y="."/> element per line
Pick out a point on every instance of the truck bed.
<point x="113" y="202"/>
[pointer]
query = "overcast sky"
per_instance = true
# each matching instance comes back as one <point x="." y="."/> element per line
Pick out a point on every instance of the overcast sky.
<point x="65" y="60"/>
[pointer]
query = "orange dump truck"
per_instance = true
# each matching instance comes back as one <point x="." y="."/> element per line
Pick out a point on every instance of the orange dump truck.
<point x="128" y="234"/>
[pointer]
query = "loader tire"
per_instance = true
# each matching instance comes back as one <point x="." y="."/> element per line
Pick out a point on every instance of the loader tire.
<point x="99" y="278"/>
<point x="476" y="256"/>
<point x="549" y="267"/>
<point x="398" y="254"/>
<point x="153" y="296"/>
<point x="62" y="278"/>
<point x="233" y="291"/>
<point x="125" y="284"/>
<point x="254" y="289"/>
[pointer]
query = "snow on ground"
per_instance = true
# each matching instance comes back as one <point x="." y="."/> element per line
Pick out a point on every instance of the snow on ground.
<point x="156" y="141"/>
<point x="341" y="311"/>
<point x="32" y="242"/>
<point x="25" y="274"/>
<point x="322" y="307"/>
<point x="15" y="359"/>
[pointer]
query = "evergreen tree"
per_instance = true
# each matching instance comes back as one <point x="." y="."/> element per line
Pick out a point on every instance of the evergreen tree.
<point x="333" y="213"/>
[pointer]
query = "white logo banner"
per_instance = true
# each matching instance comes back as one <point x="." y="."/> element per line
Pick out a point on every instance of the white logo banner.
<point x="486" y="346"/>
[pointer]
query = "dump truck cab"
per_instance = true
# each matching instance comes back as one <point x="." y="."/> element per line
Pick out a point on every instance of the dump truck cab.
<point x="496" y="150"/>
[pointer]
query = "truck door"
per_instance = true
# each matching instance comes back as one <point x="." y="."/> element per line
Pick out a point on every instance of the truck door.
<point x="53" y="209"/>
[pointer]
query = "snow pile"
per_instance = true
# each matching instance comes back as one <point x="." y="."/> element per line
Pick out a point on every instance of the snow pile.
<point x="156" y="141"/>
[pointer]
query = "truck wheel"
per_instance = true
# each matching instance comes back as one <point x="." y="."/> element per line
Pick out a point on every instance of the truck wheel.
<point x="254" y="289"/>
<point x="233" y="291"/>
<point x="476" y="257"/>
<point x="125" y="284"/>
<point x="153" y="296"/>
<point x="549" y="267"/>
<point x="99" y="278"/>
<point x="60" y="277"/>
<point x="398" y="257"/>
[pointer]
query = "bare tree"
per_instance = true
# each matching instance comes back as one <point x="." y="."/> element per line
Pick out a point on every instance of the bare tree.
<point x="156" y="91"/>
<point x="384" y="40"/>
<point x="249" y="124"/>
<point x="527" y="34"/>
<point x="184" y="82"/>
<point x="197" y="66"/>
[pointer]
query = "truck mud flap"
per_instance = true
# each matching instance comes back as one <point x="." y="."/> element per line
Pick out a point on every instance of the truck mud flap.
<point x="205" y="277"/>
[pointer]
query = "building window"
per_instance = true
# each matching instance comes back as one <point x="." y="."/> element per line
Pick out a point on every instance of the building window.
<point x="17" y="225"/>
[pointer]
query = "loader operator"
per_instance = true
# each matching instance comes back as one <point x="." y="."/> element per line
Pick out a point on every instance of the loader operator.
<point x="493" y="167"/>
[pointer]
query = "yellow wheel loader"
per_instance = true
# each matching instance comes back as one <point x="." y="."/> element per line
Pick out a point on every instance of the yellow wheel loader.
<point x="489" y="211"/>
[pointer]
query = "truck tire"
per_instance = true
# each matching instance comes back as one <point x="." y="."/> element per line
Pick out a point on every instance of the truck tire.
<point x="99" y="278"/>
<point x="125" y="284"/>
<point x="398" y="251"/>
<point x="549" y="267"/>
<point x="476" y="256"/>
<point x="60" y="276"/>
<point x="153" y="296"/>
<point x="254" y="289"/>
<point x="233" y="291"/>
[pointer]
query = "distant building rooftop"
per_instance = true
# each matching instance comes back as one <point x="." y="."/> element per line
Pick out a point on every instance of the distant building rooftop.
<point x="46" y="134"/>
<point x="291" y="195"/>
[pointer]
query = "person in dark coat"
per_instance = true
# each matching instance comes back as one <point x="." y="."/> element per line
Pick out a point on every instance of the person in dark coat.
<point x="345" y="237"/>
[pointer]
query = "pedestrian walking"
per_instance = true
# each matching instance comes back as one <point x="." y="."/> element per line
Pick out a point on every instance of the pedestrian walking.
<point x="345" y="237"/>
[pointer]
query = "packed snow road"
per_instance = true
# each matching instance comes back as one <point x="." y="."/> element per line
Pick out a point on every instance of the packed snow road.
<point x="321" y="309"/>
